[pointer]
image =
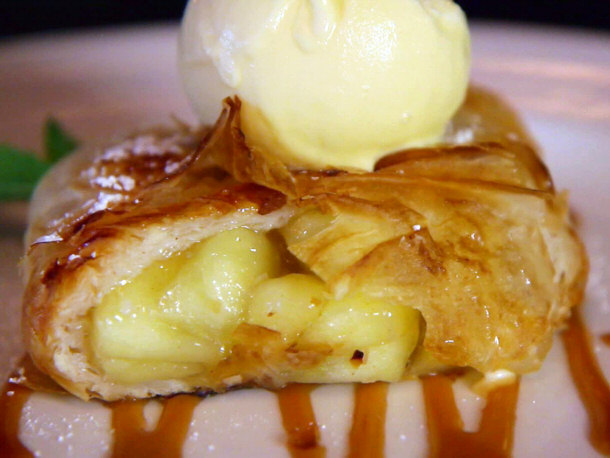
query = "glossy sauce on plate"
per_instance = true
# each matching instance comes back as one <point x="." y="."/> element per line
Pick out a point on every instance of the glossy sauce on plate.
<point x="445" y="432"/>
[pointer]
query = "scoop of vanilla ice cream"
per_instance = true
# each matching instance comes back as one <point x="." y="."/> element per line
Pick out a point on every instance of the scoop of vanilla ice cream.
<point x="328" y="83"/>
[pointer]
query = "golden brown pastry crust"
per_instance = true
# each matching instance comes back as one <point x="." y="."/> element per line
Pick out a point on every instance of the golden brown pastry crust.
<point x="473" y="235"/>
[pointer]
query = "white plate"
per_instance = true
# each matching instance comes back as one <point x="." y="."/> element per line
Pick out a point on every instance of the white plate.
<point x="106" y="82"/>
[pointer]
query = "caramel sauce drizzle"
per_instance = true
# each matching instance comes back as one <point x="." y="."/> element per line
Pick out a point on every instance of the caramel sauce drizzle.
<point x="131" y="440"/>
<point x="367" y="436"/>
<point x="299" y="421"/>
<point x="590" y="381"/>
<point x="446" y="435"/>
<point x="12" y="402"/>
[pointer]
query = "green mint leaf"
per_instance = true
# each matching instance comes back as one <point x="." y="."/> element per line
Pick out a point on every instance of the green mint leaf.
<point x="58" y="143"/>
<point x="19" y="172"/>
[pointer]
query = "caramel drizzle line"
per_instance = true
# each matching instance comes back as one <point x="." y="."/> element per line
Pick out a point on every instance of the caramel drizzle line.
<point x="446" y="435"/>
<point x="605" y="338"/>
<point x="299" y="421"/>
<point x="12" y="402"/>
<point x="131" y="438"/>
<point x="367" y="436"/>
<point x="590" y="381"/>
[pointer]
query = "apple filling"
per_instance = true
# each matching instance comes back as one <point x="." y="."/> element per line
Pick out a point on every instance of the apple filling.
<point x="183" y="317"/>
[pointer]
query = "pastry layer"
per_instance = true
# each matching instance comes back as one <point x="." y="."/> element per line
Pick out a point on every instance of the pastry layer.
<point x="463" y="251"/>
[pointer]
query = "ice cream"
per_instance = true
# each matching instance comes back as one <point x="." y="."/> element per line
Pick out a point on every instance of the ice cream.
<point x="336" y="83"/>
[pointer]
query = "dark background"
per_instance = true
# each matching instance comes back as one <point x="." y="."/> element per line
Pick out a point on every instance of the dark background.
<point x="27" y="16"/>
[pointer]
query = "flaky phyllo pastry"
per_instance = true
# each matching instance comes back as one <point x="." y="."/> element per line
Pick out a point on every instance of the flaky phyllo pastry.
<point x="181" y="261"/>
